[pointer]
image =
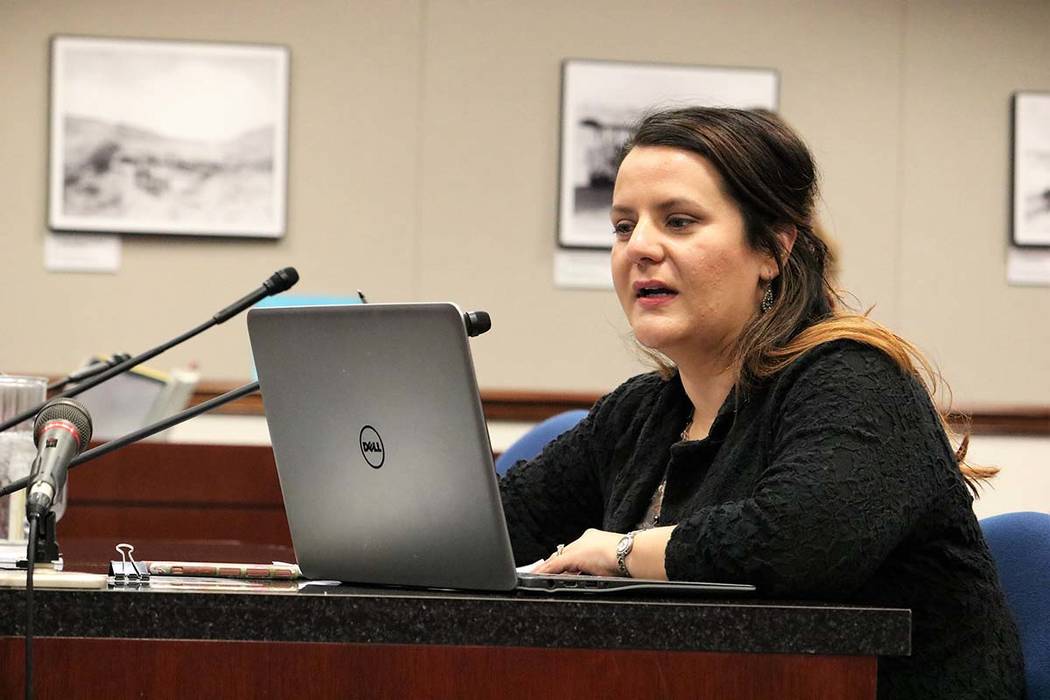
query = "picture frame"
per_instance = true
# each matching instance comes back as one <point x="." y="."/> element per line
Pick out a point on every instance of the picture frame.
<point x="1030" y="157"/>
<point x="168" y="137"/>
<point x="601" y="101"/>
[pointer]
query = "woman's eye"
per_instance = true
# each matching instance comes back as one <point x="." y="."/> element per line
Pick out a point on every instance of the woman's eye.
<point x="623" y="229"/>
<point x="679" y="222"/>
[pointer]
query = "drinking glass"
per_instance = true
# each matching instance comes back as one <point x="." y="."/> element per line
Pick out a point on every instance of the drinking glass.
<point x="17" y="451"/>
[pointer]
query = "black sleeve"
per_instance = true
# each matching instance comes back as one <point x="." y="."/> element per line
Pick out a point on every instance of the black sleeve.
<point x="553" y="498"/>
<point x="857" y="456"/>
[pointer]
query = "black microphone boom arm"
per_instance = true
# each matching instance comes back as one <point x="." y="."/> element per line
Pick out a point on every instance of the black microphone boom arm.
<point x="274" y="284"/>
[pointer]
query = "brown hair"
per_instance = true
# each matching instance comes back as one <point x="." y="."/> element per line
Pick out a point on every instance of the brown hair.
<point x="769" y="173"/>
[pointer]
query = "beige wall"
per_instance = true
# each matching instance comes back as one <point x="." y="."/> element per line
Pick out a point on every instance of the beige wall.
<point x="423" y="165"/>
<point x="962" y="62"/>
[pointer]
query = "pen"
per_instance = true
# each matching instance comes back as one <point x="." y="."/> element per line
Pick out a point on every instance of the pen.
<point x="226" y="570"/>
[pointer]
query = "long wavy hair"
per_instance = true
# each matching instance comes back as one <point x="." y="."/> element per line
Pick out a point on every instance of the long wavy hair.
<point x="768" y="171"/>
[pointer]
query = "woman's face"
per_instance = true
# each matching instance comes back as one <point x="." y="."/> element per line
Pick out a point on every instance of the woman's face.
<point x="685" y="276"/>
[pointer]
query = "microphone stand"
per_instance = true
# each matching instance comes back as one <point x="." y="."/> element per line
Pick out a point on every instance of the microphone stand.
<point x="276" y="283"/>
<point x="88" y="372"/>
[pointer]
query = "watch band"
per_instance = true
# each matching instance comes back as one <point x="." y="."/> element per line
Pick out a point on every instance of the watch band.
<point x="623" y="548"/>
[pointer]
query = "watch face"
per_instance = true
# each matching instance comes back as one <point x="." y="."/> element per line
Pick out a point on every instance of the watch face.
<point x="624" y="546"/>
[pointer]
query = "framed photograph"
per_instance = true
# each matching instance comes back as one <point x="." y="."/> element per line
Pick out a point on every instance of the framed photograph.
<point x="601" y="101"/>
<point x="168" y="137"/>
<point x="1031" y="165"/>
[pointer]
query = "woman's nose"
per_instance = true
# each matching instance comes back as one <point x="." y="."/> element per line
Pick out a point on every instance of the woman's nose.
<point x="644" y="244"/>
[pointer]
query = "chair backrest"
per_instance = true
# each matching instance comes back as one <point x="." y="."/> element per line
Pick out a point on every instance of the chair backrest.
<point x="1020" y="545"/>
<point x="532" y="443"/>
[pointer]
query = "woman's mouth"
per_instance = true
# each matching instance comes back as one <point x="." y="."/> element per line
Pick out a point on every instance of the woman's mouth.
<point x="650" y="293"/>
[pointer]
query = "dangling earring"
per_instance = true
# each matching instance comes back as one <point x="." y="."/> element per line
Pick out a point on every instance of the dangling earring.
<point x="767" y="299"/>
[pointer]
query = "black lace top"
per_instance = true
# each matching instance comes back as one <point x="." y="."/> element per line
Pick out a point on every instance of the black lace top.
<point x="833" y="481"/>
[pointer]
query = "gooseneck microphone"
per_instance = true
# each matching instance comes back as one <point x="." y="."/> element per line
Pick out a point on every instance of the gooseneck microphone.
<point x="274" y="284"/>
<point x="61" y="432"/>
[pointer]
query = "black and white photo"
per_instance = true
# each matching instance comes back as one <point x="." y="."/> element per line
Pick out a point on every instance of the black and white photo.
<point x="1031" y="160"/>
<point x="601" y="100"/>
<point x="168" y="137"/>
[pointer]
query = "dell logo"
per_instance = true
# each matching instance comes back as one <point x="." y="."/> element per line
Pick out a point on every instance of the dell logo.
<point x="372" y="447"/>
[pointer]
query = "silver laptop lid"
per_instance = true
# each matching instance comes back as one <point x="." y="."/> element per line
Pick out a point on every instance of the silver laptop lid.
<point x="381" y="446"/>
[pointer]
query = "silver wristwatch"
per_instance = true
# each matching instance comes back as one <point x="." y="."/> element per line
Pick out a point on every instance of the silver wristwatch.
<point x="623" y="548"/>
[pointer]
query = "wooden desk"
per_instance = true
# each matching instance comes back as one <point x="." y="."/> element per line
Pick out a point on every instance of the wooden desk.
<point x="388" y="643"/>
<point x="223" y="502"/>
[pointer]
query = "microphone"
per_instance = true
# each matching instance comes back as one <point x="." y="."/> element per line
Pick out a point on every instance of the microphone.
<point x="477" y="322"/>
<point x="61" y="432"/>
<point x="274" y="284"/>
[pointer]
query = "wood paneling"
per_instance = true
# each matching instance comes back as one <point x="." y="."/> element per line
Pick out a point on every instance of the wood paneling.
<point x="159" y="472"/>
<point x="1003" y="420"/>
<point x="123" y="522"/>
<point x="124" y="668"/>
<point x="169" y="491"/>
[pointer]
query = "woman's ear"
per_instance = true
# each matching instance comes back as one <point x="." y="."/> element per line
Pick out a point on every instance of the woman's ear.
<point x="786" y="236"/>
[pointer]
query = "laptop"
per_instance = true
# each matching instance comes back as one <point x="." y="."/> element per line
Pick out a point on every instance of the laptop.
<point x="383" y="452"/>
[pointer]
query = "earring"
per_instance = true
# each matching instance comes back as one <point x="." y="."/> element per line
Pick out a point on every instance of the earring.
<point x="767" y="299"/>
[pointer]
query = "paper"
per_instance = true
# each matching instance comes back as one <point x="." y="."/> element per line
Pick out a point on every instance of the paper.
<point x="582" y="269"/>
<point x="307" y="583"/>
<point x="50" y="578"/>
<point x="82" y="252"/>
<point x="1028" y="266"/>
<point x="11" y="552"/>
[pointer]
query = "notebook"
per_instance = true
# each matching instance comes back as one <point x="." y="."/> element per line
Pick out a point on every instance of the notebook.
<point x="383" y="452"/>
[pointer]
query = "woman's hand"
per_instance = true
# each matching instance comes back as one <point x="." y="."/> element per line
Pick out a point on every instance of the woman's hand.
<point x="595" y="554"/>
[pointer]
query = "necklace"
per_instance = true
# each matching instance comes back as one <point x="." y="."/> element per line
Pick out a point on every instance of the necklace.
<point x="685" y="431"/>
<point x="657" y="504"/>
<point x="652" y="516"/>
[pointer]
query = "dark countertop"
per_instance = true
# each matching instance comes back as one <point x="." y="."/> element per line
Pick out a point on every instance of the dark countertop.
<point x="389" y="616"/>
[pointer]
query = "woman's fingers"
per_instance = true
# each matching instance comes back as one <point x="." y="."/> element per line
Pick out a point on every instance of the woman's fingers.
<point x="594" y="553"/>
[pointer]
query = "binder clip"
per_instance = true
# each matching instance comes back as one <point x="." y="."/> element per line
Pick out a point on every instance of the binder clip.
<point x="128" y="572"/>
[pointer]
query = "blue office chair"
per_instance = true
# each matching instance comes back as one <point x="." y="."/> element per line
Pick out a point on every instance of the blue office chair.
<point x="532" y="443"/>
<point x="1020" y="545"/>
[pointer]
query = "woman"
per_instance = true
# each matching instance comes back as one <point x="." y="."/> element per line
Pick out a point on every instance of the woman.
<point x="785" y="443"/>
